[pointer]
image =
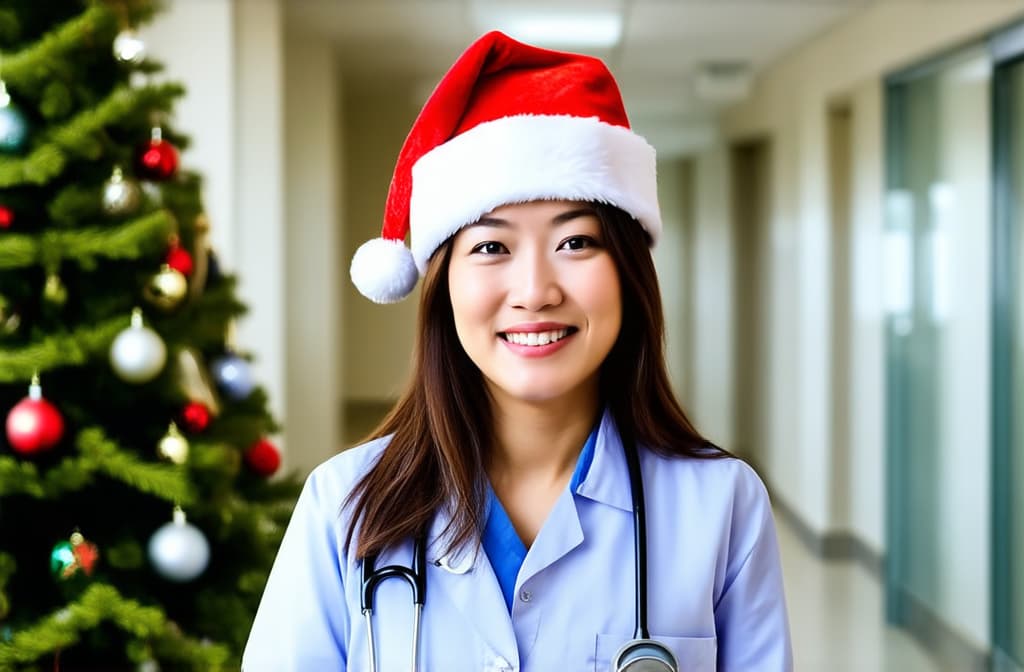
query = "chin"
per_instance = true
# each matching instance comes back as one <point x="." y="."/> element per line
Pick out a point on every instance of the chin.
<point x="537" y="390"/>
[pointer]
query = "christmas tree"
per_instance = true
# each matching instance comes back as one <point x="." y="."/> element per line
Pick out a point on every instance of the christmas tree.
<point x="137" y="519"/>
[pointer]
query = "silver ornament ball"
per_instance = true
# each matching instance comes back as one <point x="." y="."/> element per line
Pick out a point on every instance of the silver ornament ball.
<point x="138" y="354"/>
<point x="13" y="130"/>
<point x="178" y="550"/>
<point x="121" y="196"/>
<point x="129" y="47"/>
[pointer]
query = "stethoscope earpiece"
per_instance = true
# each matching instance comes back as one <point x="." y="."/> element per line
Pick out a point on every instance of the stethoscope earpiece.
<point x="644" y="655"/>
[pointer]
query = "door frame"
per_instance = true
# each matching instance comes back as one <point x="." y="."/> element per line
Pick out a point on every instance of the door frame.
<point x="1007" y="49"/>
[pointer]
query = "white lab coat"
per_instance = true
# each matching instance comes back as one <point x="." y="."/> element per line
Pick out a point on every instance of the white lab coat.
<point x="715" y="583"/>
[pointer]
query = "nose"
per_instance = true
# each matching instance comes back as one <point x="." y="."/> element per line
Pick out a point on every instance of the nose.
<point x="534" y="282"/>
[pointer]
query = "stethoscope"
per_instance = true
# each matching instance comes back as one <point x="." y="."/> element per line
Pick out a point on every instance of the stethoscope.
<point x="640" y="654"/>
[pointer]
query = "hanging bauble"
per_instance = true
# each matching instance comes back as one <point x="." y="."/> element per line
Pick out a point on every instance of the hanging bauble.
<point x="13" y="124"/>
<point x="178" y="550"/>
<point x="173" y="446"/>
<point x="193" y="379"/>
<point x="157" y="159"/>
<point x="129" y="47"/>
<point x="167" y="289"/>
<point x="180" y="260"/>
<point x="233" y="376"/>
<point x="263" y="458"/>
<point x="10" y="320"/>
<point x="34" y="424"/>
<point x="55" y="292"/>
<point x="138" y="353"/>
<point x="121" y="195"/>
<point x="6" y="217"/>
<point x="195" y="417"/>
<point x="75" y="555"/>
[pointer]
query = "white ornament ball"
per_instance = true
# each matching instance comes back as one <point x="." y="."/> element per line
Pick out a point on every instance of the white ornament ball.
<point x="138" y="354"/>
<point x="178" y="550"/>
<point x="129" y="47"/>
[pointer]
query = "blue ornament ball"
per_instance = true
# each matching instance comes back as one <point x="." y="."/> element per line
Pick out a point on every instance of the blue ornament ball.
<point x="233" y="376"/>
<point x="13" y="130"/>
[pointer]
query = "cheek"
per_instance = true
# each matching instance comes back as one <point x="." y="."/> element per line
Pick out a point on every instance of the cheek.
<point x="598" y="293"/>
<point x="473" y="298"/>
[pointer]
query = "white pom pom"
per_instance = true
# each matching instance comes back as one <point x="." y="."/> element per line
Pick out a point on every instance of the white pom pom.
<point x="383" y="270"/>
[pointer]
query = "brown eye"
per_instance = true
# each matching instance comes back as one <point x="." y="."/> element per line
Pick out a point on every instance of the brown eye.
<point x="490" y="247"/>
<point x="577" y="243"/>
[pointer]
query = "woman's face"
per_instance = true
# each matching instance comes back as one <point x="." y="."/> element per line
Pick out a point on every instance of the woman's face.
<point x="536" y="298"/>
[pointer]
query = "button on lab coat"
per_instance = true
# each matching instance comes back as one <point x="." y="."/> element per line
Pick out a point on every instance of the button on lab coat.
<point x="715" y="595"/>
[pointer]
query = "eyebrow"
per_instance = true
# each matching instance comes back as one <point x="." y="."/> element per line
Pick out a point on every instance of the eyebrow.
<point x="558" y="219"/>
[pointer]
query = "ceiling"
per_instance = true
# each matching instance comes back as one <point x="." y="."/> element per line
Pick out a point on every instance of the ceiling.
<point x="666" y="46"/>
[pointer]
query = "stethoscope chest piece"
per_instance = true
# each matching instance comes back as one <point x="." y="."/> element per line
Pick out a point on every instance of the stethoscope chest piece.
<point x="644" y="655"/>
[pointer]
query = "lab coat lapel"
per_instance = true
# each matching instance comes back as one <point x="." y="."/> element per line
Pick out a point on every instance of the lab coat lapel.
<point x="608" y="479"/>
<point x="465" y="578"/>
<point x="560" y="534"/>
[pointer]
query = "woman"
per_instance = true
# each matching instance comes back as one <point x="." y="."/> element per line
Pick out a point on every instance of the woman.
<point x="538" y="409"/>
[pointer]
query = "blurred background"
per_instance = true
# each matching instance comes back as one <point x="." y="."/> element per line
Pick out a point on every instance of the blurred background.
<point x="842" y="183"/>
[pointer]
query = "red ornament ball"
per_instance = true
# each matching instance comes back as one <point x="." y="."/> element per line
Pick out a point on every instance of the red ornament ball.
<point x="6" y="217"/>
<point x="157" y="160"/>
<point x="195" y="417"/>
<point x="263" y="458"/>
<point x="34" y="425"/>
<point x="180" y="260"/>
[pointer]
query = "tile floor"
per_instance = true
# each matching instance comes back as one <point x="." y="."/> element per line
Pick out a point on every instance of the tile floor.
<point x="836" y="617"/>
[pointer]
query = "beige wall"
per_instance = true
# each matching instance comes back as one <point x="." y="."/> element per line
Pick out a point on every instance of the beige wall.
<point x="789" y="105"/>
<point x="378" y="339"/>
<point x="262" y="111"/>
<point x="672" y="264"/>
<point x="313" y="151"/>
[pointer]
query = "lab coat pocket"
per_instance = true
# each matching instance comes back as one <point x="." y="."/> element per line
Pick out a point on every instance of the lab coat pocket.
<point x="694" y="654"/>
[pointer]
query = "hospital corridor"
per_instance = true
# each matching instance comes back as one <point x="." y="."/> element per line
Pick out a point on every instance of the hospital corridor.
<point x="839" y="194"/>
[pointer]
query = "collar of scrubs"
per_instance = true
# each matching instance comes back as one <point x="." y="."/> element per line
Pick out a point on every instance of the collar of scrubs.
<point x="603" y="477"/>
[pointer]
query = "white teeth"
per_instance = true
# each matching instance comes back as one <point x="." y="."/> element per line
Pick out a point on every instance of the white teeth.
<point x="536" y="337"/>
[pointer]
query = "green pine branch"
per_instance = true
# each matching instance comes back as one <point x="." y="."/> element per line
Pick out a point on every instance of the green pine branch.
<point x="98" y="456"/>
<point x="68" y="349"/>
<point x="80" y="136"/>
<point x="102" y="602"/>
<point x="146" y="234"/>
<point x="34" y="65"/>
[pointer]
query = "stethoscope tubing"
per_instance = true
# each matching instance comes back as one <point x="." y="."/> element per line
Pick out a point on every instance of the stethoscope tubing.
<point x="416" y="578"/>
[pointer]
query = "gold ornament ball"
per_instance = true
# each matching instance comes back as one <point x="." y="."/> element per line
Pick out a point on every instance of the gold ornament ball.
<point x="174" y="446"/>
<point x="167" y="289"/>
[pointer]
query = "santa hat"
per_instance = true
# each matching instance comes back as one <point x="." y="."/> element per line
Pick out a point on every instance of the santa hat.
<point x="508" y="123"/>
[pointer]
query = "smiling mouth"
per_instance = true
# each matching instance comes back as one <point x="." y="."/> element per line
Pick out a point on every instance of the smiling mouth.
<point x="535" y="338"/>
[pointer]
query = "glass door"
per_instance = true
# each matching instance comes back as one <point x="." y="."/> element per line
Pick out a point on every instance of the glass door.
<point x="937" y="277"/>
<point x="1008" y="353"/>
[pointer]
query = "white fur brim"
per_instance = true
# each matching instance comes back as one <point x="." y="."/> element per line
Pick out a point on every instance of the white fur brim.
<point x="527" y="158"/>
<point x="383" y="270"/>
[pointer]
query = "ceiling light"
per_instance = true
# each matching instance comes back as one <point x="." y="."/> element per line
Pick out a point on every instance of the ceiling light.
<point x="597" y="29"/>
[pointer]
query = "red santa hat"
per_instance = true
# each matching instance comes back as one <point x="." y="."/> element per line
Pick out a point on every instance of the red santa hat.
<point x="508" y="123"/>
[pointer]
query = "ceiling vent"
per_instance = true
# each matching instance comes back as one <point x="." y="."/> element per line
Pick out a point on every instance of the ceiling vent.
<point x="723" y="82"/>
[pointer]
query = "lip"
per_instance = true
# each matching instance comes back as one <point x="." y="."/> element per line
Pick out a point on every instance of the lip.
<point x="535" y="351"/>
<point x="535" y="327"/>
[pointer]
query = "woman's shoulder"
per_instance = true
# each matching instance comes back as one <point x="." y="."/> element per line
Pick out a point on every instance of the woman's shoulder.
<point x="726" y="477"/>
<point x="334" y="478"/>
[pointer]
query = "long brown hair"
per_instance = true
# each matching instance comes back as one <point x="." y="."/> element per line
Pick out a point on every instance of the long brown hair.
<point x="441" y="425"/>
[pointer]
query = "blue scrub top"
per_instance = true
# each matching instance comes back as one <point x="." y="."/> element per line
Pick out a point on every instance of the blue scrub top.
<point x="501" y="542"/>
<point x="715" y="581"/>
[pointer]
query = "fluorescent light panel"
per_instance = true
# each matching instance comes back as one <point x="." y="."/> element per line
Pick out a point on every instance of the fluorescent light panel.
<point x="586" y="28"/>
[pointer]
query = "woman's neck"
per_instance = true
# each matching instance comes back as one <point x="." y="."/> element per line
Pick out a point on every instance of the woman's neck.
<point x="541" y="441"/>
